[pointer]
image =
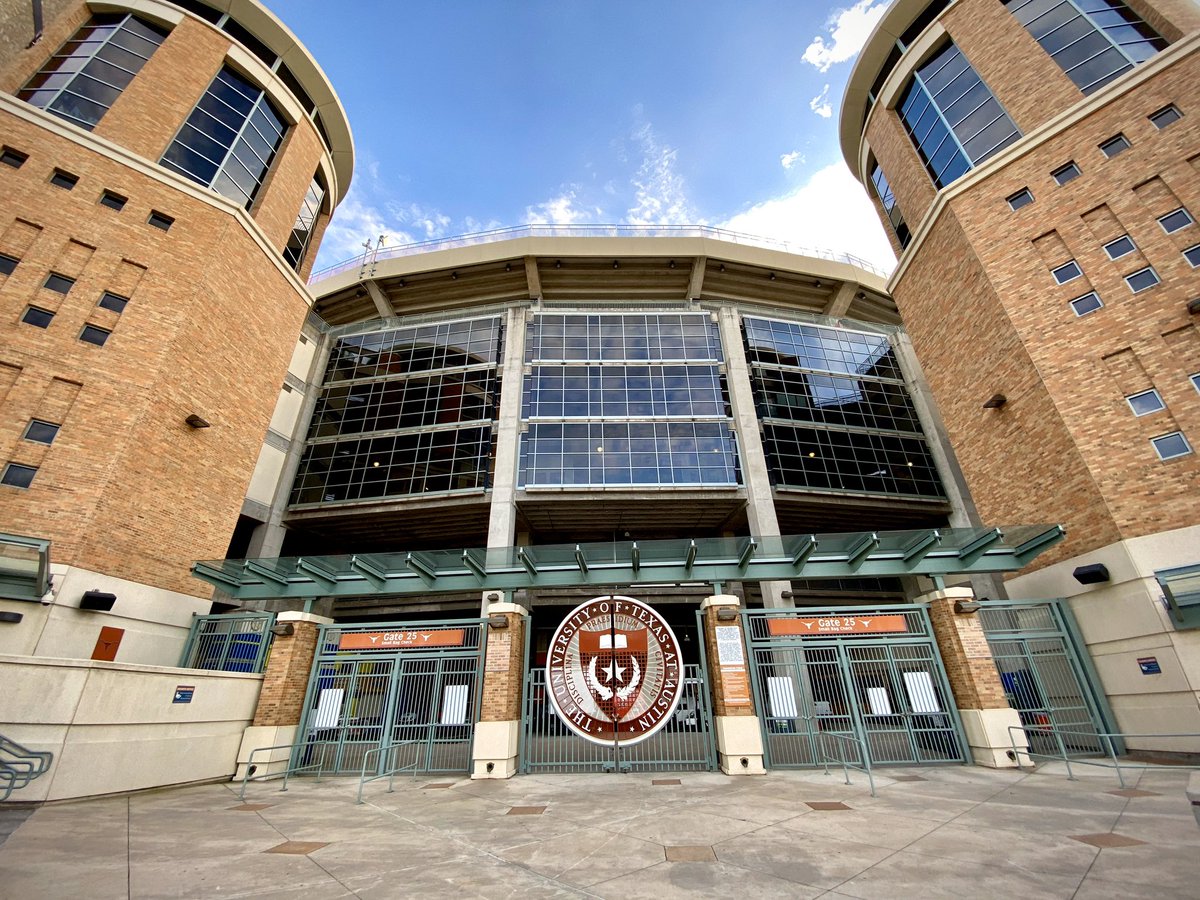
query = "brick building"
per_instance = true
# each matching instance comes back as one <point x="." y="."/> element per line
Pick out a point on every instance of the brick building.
<point x="168" y="170"/>
<point x="1036" y="164"/>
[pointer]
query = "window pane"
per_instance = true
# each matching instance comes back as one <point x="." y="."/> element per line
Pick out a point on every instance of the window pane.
<point x="17" y="475"/>
<point x="1171" y="445"/>
<point x="1145" y="403"/>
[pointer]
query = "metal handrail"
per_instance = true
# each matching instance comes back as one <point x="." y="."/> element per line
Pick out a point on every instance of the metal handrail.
<point x="826" y="759"/>
<point x="287" y="773"/>
<point x="1108" y="738"/>
<point x="518" y="231"/>
<point x="22" y="766"/>
<point x="390" y="774"/>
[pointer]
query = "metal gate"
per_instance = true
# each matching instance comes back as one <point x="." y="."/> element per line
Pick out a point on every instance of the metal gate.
<point x="871" y="677"/>
<point x="685" y="743"/>
<point x="1045" y="674"/>
<point x="412" y="684"/>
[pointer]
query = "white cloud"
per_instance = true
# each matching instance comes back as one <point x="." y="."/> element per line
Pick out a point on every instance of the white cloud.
<point x="848" y="30"/>
<point x="356" y="220"/>
<point x="787" y="160"/>
<point x="560" y="210"/>
<point x="830" y="212"/>
<point x="660" y="197"/>
<point x="820" y="104"/>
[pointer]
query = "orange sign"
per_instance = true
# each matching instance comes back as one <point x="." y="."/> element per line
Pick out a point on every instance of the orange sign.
<point x="736" y="686"/>
<point x="836" y="625"/>
<point x="401" y="640"/>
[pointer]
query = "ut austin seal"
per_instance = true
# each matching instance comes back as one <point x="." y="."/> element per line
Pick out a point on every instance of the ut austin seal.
<point x="614" y="670"/>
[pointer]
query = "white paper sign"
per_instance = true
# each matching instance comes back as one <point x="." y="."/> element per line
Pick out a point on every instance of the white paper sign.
<point x="729" y="646"/>
<point x="781" y="696"/>
<point x="880" y="704"/>
<point x="329" y="708"/>
<point x="454" y="705"/>
<point x="922" y="698"/>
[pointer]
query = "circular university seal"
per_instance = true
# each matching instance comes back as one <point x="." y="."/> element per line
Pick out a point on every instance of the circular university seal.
<point x="614" y="671"/>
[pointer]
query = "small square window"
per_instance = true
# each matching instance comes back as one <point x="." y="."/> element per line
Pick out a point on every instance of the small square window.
<point x="115" y="302"/>
<point x="1168" y="115"/>
<point x="64" y="180"/>
<point x="1170" y="446"/>
<point x="1145" y="403"/>
<point x="35" y="315"/>
<point x="113" y="201"/>
<point x="1020" y="198"/>
<point x="1115" y="145"/>
<point x="60" y="284"/>
<point x="7" y="264"/>
<point x="1142" y="279"/>
<point x="1068" y="271"/>
<point x="1122" y="246"/>
<point x="1087" y="303"/>
<point x="1192" y="255"/>
<point x="1196" y="381"/>
<point x="41" y="432"/>
<point x="1174" y="221"/>
<point x="17" y="475"/>
<point x="1066" y="173"/>
<point x="93" y="334"/>
<point x="160" y="220"/>
<point x="14" y="158"/>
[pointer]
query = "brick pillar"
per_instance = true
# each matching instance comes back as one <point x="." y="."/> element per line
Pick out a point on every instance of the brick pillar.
<point x="739" y="734"/>
<point x="281" y="699"/>
<point x="974" y="679"/>
<point x="498" y="731"/>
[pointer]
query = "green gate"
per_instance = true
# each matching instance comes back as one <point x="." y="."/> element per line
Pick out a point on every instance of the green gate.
<point x="871" y="676"/>
<point x="231" y="642"/>
<point x="685" y="743"/>
<point x="1047" y="675"/>
<point x="412" y="684"/>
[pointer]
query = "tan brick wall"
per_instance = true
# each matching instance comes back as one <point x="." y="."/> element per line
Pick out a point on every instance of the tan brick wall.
<point x="986" y="317"/>
<point x="504" y="671"/>
<point x="285" y="680"/>
<point x="970" y="667"/>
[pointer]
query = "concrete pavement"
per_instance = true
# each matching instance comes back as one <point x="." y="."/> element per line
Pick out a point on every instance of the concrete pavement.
<point x="931" y="832"/>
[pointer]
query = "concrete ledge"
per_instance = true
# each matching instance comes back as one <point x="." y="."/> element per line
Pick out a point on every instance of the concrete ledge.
<point x="494" y="750"/>
<point x="989" y="738"/>
<point x="739" y="745"/>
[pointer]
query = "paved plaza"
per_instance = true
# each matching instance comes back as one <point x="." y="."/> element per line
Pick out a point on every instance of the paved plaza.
<point x="931" y="832"/>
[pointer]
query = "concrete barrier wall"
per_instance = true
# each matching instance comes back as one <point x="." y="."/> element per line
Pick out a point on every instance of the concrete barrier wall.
<point x="115" y="727"/>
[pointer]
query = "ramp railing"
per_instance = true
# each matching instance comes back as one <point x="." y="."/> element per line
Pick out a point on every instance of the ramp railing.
<point x="19" y="765"/>
<point x="1109" y="739"/>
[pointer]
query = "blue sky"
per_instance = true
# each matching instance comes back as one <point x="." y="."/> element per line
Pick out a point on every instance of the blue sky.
<point x="469" y="115"/>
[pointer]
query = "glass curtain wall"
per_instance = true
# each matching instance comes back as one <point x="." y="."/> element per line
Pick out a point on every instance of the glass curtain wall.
<point x="835" y="412"/>
<point x="1093" y="41"/>
<point x="625" y="399"/>
<point x="404" y="412"/>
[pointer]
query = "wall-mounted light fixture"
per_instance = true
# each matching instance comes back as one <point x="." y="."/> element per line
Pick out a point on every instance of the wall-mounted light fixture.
<point x="498" y="622"/>
<point x="995" y="401"/>
<point x="966" y="607"/>
<point x="1096" y="573"/>
<point x="196" y="421"/>
<point x="771" y="276"/>
<point x="671" y="264"/>
<point x="99" y="601"/>
<point x="726" y="614"/>
<point x="616" y="265"/>
<point x="558" y="264"/>
<point x="786" y="595"/>
<point x="454" y="276"/>
<point x="493" y="597"/>
<point x="283" y="629"/>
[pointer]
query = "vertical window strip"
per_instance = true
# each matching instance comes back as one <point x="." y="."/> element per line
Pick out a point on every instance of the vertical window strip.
<point x="229" y="140"/>
<point x="952" y="117"/>
<point x="306" y="219"/>
<point x="1092" y="41"/>
<point x="890" y="206"/>
<point x="87" y="74"/>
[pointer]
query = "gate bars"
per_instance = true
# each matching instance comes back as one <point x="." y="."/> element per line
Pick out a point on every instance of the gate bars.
<point x="421" y="696"/>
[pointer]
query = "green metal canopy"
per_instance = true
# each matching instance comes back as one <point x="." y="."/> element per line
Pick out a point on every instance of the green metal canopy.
<point x="931" y="552"/>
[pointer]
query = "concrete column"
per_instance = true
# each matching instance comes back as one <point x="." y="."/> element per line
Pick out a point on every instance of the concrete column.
<point x="498" y="731"/>
<point x="974" y="679"/>
<point x="502" y="514"/>
<point x="739" y="734"/>
<point x="281" y="700"/>
<point x="760" y="504"/>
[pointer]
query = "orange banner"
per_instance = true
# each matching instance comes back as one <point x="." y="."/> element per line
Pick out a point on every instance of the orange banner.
<point x="889" y="624"/>
<point x="401" y="640"/>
